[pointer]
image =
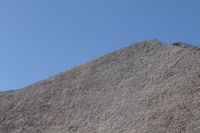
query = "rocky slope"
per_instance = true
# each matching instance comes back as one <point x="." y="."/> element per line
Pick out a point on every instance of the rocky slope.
<point x="148" y="87"/>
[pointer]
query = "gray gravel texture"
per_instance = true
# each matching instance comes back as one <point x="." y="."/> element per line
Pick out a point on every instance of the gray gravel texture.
<point x="148" y="87"/>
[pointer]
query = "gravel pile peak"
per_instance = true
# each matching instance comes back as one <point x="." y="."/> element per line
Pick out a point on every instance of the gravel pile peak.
<point x="147" y="87"/>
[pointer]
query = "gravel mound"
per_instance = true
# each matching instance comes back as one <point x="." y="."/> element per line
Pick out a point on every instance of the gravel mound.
<point x="148" y="87"/>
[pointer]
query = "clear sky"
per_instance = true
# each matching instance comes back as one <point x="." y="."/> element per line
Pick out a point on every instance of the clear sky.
<point x="40" y="38"/>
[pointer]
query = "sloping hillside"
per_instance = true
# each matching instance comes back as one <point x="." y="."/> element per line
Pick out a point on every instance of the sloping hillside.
<point x="148" y="87"/>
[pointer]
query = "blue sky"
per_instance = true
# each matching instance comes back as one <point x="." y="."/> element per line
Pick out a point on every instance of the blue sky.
<point x="40" y="38"/>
